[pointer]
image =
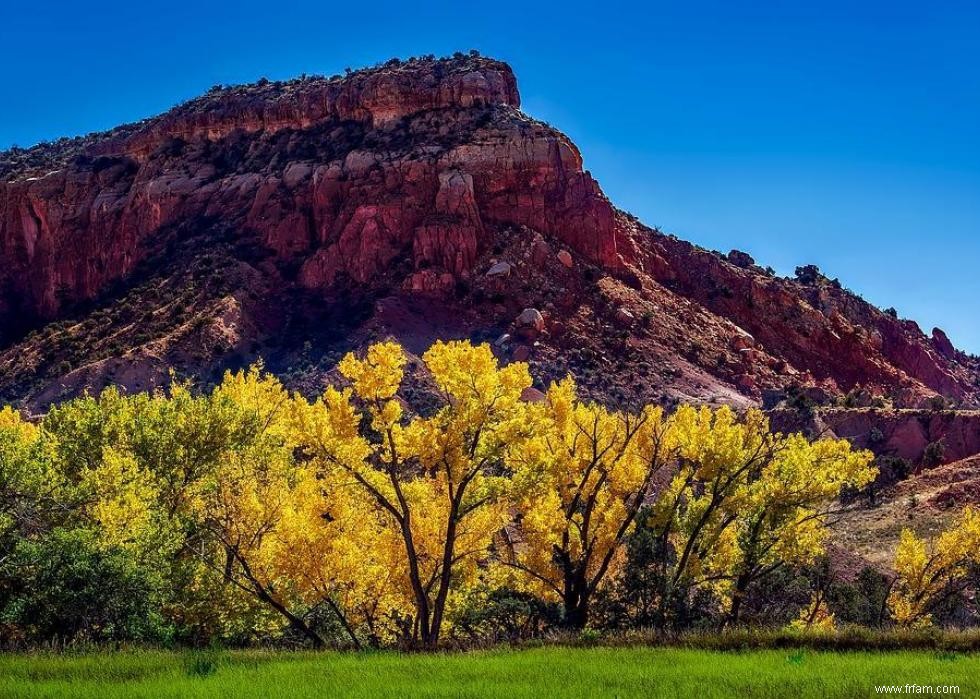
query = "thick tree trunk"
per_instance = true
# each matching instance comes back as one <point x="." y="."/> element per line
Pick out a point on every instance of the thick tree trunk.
<point x="575" y="602"/>
<point x="576" y="614"/>
<point x="343" y="622"/>
<point x="738" y="597"/>
<point x="733" y="612"/>
<point x="423" y="617"/>
<point x="445" y="578"/>
<point x="297" y="623"/>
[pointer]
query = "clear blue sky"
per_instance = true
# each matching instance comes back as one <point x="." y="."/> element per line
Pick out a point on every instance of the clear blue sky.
<point x="841" y="134"/>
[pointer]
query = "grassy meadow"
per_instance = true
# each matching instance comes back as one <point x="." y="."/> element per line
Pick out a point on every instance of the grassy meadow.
<point x="537" y="673"/>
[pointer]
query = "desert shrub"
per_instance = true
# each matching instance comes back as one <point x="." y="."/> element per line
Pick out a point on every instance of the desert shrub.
<point x="861" y="601"/>
<point x="808" y="274"/>
<point x="504" y="614"/>
<point x="642" y="597"/>
<point x="633" y="600"/>
<point x="961" y="609"/>
<point x="777" y="599"/>
<point x="67" y="587"/>
<point x="892" y="469"/>
<point x="934" y="454"/>
<point x="798" y="400"/>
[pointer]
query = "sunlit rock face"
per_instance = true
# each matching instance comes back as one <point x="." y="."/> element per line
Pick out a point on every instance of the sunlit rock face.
<point x="406" y="182"/>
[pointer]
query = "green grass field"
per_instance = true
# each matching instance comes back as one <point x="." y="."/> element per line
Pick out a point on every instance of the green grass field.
<point x="537" y="673"/>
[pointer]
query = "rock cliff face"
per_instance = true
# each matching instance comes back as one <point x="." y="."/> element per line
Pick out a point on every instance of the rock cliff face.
<point x="294" y="220"/>
<point x="817" y="327"/>
<point x="923" y="438"/>
<point x="341" y="176"/>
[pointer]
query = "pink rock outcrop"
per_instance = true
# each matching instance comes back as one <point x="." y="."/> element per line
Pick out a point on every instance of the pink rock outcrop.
<point x="438" y="151"/>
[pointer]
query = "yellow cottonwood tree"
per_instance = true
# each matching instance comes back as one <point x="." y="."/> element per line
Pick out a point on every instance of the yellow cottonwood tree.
<point x="122" y="501"/>
<point x="717" y="456"/>
<point x="245" y="502"/>
<point x="589" y="471"/>
<point x="782" y="516"/>
<point x="437" y="480"/>
<point x="335" y="548"/>
<point x="27" y="480"/>
<point x="745" y="501"/>
<point x="134" y="467"/>
<point x="928" y="573"/>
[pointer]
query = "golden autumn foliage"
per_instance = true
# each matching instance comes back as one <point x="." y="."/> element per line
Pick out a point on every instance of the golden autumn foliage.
<point x="257" y="510"/>
<point x="25" y="473"/>
<point x="927" y="573"/>
<point x="436" y="482"/>
<point x="584" y="475"/>
<point x="816" y="616"/>
<point x="734" y="501"/>
<point x="745" y="501"/>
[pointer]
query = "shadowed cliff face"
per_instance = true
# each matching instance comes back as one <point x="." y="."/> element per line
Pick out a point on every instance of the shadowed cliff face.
<point x="295" y="220"/>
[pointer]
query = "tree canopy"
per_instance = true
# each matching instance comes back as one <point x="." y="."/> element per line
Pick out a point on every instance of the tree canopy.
<point x="247" y="513"/>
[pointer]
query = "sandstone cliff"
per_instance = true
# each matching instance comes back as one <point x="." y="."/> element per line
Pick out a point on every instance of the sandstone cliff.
<point x="294" y="220"/>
